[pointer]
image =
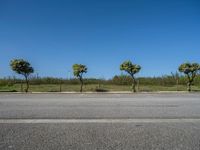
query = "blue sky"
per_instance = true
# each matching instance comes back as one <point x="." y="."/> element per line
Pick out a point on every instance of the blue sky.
<point x="55" y="34"/>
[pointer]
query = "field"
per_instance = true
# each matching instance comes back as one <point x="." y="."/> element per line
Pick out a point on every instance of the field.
<point x="93" y="88"/>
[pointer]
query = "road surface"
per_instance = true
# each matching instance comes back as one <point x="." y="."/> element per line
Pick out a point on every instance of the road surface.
<point x="100" y="121"/>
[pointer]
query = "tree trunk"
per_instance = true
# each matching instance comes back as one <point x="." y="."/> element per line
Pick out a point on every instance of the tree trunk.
<point x="27" y="84"/>
<point x="189" y="86"/>
<point x="138" y="85"/>
<point x="81" y="80"/>
<point x="190" y="80"/>
<point x="133" y="84"/>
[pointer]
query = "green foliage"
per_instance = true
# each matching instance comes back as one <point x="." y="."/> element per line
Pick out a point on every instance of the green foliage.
<point x="117" y="83"/>
<point x="7" y="82"/>
<point x="78" y="70"/>
<point x="191" y="70"/>
<point x="175" y="80"/>
<point x="22" y="67"/>
<point x="131" y="69"/>
<point x="122" y="80"/>
<point x="166" y="80"/>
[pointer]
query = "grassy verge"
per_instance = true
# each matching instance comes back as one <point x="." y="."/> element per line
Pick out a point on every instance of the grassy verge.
<point x="93" y="88"/>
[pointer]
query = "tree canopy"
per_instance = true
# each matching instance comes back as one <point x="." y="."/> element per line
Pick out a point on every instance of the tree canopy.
<point x="21" y="66"/>
<point x="191" y="70"/>
<point x="78" y="70"/>
<point x="131" y="69"/>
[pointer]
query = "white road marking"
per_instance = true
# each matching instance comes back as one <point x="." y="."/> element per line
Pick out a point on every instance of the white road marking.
<point x="37" y="121"/>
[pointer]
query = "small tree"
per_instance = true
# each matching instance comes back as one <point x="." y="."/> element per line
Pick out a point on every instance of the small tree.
<point x="131" y="69"/>
<point x="79" y="69"/>
<point x="22" y="67"/>
<point x="190" y="70"/>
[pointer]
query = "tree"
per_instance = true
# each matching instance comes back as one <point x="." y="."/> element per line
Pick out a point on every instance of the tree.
<point x="190" y="70"/>
<point x="22" y="67"/>
<point x="131" y="69"/>
<point x="79" y="69"/>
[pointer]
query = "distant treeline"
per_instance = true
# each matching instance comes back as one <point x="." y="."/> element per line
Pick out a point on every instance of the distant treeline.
<point x="168" y="80"/>
<point x="50" y="80"/>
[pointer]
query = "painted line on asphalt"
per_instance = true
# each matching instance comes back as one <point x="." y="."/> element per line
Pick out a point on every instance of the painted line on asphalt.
<point x="38" y="121"/>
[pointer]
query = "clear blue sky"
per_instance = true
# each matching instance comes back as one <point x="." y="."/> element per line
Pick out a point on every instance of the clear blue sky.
<point x="55" y="34"/>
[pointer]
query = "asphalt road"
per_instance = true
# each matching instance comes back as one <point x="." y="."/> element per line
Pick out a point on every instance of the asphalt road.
<point x="100" y="121"/>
